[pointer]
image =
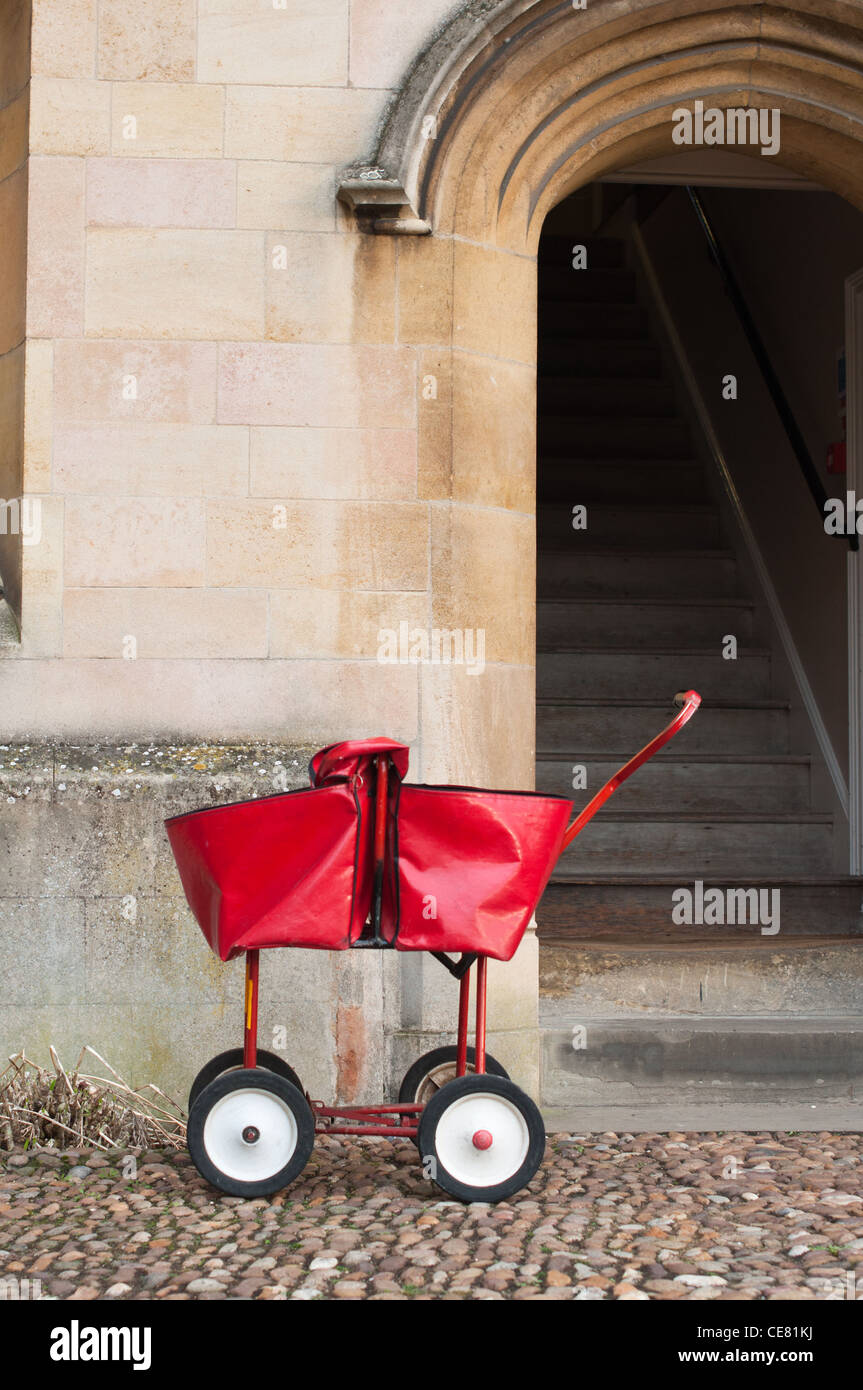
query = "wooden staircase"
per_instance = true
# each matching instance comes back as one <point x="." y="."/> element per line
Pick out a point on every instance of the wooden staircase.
<point x="647" y="1023"/>
<point x="634" y="608"/>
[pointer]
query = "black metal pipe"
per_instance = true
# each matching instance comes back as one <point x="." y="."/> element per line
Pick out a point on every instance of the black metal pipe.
<point x="762" y="357"/>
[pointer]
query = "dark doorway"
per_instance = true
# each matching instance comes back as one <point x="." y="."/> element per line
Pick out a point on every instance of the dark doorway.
<point x="680" y="546"/>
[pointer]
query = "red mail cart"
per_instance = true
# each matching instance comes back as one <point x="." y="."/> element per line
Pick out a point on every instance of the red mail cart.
<point x="364" y="860"/>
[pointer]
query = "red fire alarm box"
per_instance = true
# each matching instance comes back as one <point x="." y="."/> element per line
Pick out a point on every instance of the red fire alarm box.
<point x="836" y="457"/>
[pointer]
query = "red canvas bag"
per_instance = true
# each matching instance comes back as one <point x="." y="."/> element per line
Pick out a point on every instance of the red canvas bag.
<point x="467" y="867"/>
<point x="293" y="869"/>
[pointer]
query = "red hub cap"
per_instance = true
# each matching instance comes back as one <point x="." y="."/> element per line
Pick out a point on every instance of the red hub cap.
<point x="482" y="1139"/>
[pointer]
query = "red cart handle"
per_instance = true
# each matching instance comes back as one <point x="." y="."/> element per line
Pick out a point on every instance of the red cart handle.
<point x="689" y="700"/>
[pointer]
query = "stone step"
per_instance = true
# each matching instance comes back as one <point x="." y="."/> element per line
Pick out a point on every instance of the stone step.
<point x="694" y="845"/>
<point x="689" y="1063"/>
<point x="646" y="601"/>
<point x="736" y="972"/>
<point x="618" y="357"/>
<point x="613" y="436"/>
<point x="577" y="394"/>
<point x="700" y="573"/>
<point x="726" y="1018"/>
<point x="629" y="523"/>
<point x="598" y="672"/>
<point x="629" y="481"/>
<point x="581" y="727"/>
<point x="708" y="1116"/>
<point x="561" y="283"/>
<point x="625" y="910"/>
<point x="642" y="623"/>
<point x="687" y="782"/>
<point x="592" y="322"/>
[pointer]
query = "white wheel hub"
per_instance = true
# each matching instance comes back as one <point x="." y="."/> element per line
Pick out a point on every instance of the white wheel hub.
<point x="235" y="1119"/>
<point x="482" y="1164"/>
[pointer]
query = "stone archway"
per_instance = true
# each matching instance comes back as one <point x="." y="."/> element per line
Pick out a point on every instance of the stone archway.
<point x="517" y="104"/>
<point x="513" y="107"/>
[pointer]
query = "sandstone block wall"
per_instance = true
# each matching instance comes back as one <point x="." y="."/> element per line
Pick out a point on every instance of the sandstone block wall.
<point x="239" y="423"/>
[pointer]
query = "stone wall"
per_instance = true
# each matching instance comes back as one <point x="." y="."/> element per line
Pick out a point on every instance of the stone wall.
<point x="243" y="477"/>
<point x="99" y="946"/>
<point x="259" y="435"/>
<point x="14" y="105"/>
<point x="225" y="391"/>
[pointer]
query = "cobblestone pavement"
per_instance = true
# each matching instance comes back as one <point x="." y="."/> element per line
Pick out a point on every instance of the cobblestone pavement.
<point x="672" y="1216"/>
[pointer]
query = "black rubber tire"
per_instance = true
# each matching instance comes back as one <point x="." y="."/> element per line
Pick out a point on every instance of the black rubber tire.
<point x="252" y="1079"/>
<point x="455" y="1091"/>
<point x="430" y="1061"/>
<point x="233" y="1061"/>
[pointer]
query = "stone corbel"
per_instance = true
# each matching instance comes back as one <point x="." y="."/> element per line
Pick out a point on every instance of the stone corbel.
<point x="380" y="203"/>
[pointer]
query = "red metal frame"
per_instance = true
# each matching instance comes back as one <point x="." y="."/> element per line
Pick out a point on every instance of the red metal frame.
<point x="402" y="1121"/>
<point x="479" y="1028"/>
<point x="690" y="700"/>
<point x="250" y="1011"/>
<point x="382" y="1121"/>
<point x="383" y="766"/>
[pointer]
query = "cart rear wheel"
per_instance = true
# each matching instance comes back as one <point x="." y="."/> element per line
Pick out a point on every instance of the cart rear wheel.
<point x="233" y="1061"/>
<point x="250" y="1133"/>
<point x="481" y="1138"/>
<point x="437" y="1068"/>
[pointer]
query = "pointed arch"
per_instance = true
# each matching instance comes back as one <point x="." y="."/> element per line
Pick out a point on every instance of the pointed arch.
<point x="516" y="104"/>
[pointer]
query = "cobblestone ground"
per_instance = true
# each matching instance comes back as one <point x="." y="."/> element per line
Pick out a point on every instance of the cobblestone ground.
<point x="672" y="1216"/>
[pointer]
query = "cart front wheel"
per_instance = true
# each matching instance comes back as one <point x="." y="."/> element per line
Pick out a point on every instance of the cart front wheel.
<point x="481" y="1138"/>
<point x="250" y="1133"/>
<point x="233" y="1061"/>
<point x="435" y="1069"/>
